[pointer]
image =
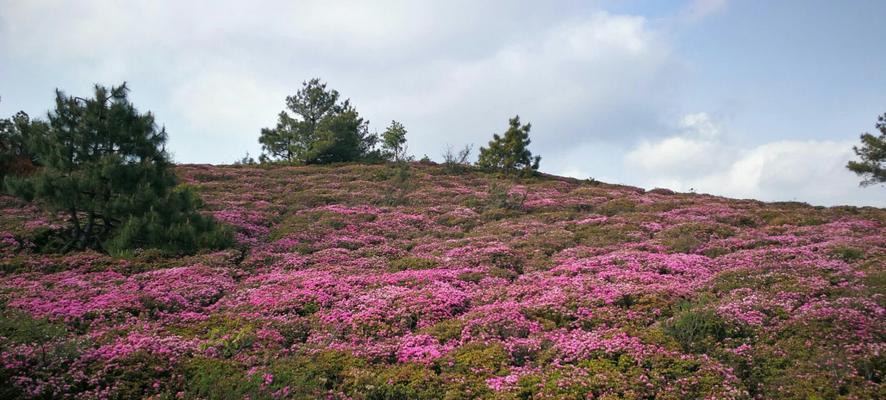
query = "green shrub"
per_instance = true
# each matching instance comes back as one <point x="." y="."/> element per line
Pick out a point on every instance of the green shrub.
<point x="229" y="340"/>
<point x="466" y="224"/>
<point x="686" y="238"/>
<point x="593" y="378"/>
<point x="715" y="252"/>
<point x="411" y="263"/>
<point x="500" y="197"/>
<point x="697" y="328"/>
<point x="313" y="375"/>
<point x="473" y="277"/>
<point x="503" y="273"/>
<point x="309" y="199"/>
<point x="216" y="379"/>
<point x="133" y="376"/>
<point x="742" y="221"/>
<point x="795" y="217"/>
<point x="476" y="358"/>
<point x="549" y="318"/>
<point x="847" y="254"/>
<point x="307" y="376"/>
<point x="20" y="327"/>
<point x="446" y="330"/>
<point x="605" y="235"/>
<point x="616" y="206"/>
<point x="506" y="261"/>
<point x="402" y="184"/>
<point x="172" y="227"/>
<point x="399" y="382"/>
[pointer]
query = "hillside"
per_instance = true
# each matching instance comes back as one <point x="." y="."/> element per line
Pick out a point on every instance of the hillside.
<point x="359" y="281"/>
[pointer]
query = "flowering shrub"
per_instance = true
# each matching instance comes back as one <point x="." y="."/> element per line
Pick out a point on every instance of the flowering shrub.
<point x="586" y="290"/>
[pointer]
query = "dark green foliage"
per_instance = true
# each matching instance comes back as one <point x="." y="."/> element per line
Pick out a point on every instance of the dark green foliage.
<point x="473" y="277"/>
<point x="510" y="154"/>
<point x="134" y="375"/>
<point x="105" y="167"/>
<point x="16" y="328"/>
<point x="446" y="330"/>
<point x="292" y="138"/>
<point x="213" y="378"/>
<point x="402" y="184"/>
<point x="697" y="329"/>
<point x="341" y="138"/>
<point x="16" y="134"/>
<point x="505" y="273"/>
<point x="19" y="327"/>
<point x="616" y="206"/>
<point x="401" y="382"/>
<point x="476" y="358"/>
<point x="687" y="238"/>
<point x="172" y="226"/>
<point x="501" y="197"/>
<point x="411" y="263"/>
<point x="847" y="254"/>
<point x="873" y="156"/>
<point x="306" y="376"/>
<point x="320" y="130"/>
<point x="605" y="235"/>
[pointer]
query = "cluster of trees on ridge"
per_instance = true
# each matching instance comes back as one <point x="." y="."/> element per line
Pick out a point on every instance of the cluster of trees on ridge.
<point x="318" y="127"/>
<point x="104" y="164"/>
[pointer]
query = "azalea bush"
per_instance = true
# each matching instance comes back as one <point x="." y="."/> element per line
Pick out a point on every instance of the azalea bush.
<point x="576" y="290"/>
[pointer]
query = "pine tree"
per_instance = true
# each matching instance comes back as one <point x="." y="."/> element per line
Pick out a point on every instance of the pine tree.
<point x="317" y="128"/>
<point x="873" y="156"/>
<point x="510" y="154"/>
<point x="393" y="142"/>
<point x="104" y="165"/>
<point x="341" y="137"/>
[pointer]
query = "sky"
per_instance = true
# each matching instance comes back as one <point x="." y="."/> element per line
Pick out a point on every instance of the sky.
<point x="746" y="99"/>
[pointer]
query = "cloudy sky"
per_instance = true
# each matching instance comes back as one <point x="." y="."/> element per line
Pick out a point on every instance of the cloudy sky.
<point x="747" y="99"/>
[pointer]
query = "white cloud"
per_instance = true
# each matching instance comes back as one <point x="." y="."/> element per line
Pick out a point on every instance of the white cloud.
<point x="701" y="159"/>
<point x="453" y="72"/>
<point x="695" y="149"/>
<point x="603" y="72"/>
<point x="673" y="154"/>
<point x="220" y="108"/>
<point x="811" y="171"/>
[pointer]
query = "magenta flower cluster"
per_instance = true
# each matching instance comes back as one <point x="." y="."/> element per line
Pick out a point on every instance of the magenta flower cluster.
<point x="587" y="290"/>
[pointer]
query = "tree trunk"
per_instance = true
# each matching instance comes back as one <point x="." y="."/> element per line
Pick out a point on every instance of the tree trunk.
<point x="86" y="239"/>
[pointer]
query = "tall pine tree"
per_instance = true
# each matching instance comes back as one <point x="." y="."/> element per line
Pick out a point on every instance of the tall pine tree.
<point x="510" y="153"/>
<point x="104" y="165"/>
<point x="317" y="128"/>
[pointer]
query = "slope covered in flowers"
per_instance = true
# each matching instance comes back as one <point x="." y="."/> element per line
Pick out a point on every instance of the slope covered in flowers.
<point x="376" y="282"/>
